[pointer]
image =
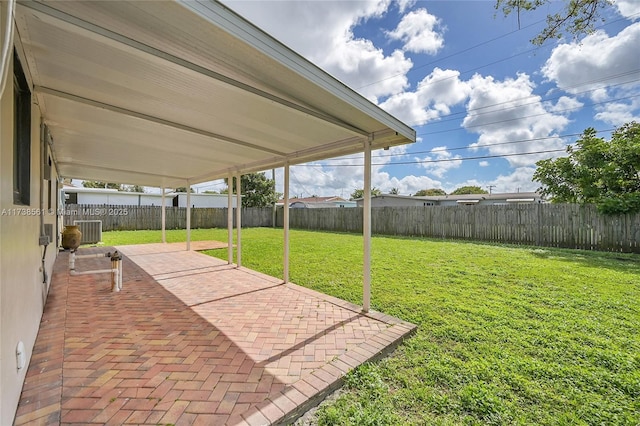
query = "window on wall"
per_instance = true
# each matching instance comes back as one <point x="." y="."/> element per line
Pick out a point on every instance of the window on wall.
<point x="22" y="135"/>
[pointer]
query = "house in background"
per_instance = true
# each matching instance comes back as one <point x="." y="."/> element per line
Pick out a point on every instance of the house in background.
<point x="318" y="202"/>
<point x="113" y="197"/>
<point x="216" y="201"/>
<point x="388" y="200"/>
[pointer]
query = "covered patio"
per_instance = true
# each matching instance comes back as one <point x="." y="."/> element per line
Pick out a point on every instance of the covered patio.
<point x="191" y="340"/>
<point x="166" y="95"/>
<point x="171" y="94"/>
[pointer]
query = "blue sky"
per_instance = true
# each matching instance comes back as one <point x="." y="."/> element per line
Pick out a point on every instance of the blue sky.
<point x="467" y="79"/>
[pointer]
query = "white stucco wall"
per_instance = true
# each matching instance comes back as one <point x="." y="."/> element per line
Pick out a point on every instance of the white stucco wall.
<point x="117" y="198"/>
<point x="155" y="200"/>
<point x="22" y="292"/>
<point x="385" y="201"/>
<point x="206" y="200"/>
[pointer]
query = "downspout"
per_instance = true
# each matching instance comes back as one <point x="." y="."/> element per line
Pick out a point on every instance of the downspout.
<point x="6" y="47"/>
<point x="44" y="239"/>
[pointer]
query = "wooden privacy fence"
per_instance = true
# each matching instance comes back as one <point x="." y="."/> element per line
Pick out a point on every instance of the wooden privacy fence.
<point x="130" y="218"/>
<point x="545" y="225"/>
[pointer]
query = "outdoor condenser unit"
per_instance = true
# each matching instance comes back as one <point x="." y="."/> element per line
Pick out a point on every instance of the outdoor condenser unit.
<point x="91" y="230"/>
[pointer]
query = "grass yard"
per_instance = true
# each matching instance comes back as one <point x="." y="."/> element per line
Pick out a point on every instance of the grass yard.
<point x="507" y="335"/>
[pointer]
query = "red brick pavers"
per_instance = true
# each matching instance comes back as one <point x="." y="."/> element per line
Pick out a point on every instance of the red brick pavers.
<point x="191" y="340"/>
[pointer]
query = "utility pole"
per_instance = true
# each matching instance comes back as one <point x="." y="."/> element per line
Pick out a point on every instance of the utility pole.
<point x="491" y="188"/>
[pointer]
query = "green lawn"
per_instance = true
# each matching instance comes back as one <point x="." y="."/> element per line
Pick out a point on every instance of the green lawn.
<point x="507" y="335"/>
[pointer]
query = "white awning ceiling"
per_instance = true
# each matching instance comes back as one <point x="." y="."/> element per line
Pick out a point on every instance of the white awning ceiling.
<point x="159" y="93"/>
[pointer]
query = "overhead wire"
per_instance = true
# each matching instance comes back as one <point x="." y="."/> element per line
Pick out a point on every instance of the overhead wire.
<point x="447" y="117"/>
<point x="490" y="156"/>
<point x="528" y="116"/>
<point x="436" y="150"/>
<point x="479" y="45"/>
<point x="465" y="50"/>
<point x="455" y="149"/>
<point x="442" y="160"/>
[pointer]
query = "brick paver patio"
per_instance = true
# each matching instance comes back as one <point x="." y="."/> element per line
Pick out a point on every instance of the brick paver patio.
<point x="190" y="340"/>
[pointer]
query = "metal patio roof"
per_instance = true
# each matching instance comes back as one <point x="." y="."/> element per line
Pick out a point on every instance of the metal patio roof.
<point x="164" y="93"/>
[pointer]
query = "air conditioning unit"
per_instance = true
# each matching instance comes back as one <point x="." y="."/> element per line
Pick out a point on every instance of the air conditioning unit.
<point x="91" y="230"/>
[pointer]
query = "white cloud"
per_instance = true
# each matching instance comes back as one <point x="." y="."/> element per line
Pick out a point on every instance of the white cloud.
<point x="408" y="185"/>
<point x="595" y="63"/>
<point x="619" y="113"/>
<point x="341" y="176"/>
<point x="629" y="8"/>
<point x="565" y="105"/>
<point x="517" y="181"/>
<point x="419" y="32"/>
<point x="405" y="5"/>
<point x="483" y="164"/>
<point x="440" y="161"/>
<point x="508" y="111"/>
<point x="323" y="33"/>
<point x="433" y="97"/>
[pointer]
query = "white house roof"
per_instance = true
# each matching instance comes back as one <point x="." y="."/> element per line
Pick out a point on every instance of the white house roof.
<point x="161" y="93"/>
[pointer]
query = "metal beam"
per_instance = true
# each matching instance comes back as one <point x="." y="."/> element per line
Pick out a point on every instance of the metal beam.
<point x="366" y="228"/>
<point x="230" y="219"/>
<point x="238" y="220"/>
<point x="285" y="224"/>
<point x="188" y="216"/>
<point x="164" y="217"/>
<point x="161" y="121"/>
<point x="157" y="53"/>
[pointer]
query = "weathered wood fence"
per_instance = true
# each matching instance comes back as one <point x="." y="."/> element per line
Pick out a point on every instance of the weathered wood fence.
<point x="129" y="218"/>
<point x="545" y="225"/>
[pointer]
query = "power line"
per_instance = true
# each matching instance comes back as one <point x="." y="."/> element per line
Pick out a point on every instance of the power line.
<point x="486" y="145"/>
<point x="525" y="116"/>
<point x="479" y="45"/>
<point x="448" y="116"/>
<point x="442" y="160"/>
<point x="480" y="146"/>
<point x="453" y="54"/>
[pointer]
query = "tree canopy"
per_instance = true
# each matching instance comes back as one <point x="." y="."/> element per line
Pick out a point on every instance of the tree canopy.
<point x="98" y="184"/>
<point x="183" y="189"/>
<point x="470" y="189"/>
<point x="605" y="173"/>
<point x="133" y="188"/>
<point x="431" y="192"/>
<point x="257" y="190"/>
<point x="359" y="193"/>
<point x="578" y="17"/>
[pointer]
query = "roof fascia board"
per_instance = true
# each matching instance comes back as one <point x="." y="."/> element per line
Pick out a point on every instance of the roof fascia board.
<point x="233" y="23"/>
<point x="118" y="110"/>
<point x="141" y="47"/>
